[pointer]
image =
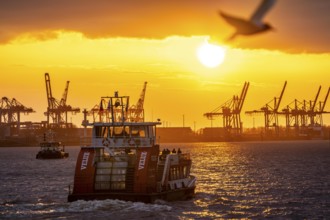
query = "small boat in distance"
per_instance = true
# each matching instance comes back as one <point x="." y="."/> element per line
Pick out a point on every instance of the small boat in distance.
<point x="124" y="161"/>
<point x="50" y="149"/>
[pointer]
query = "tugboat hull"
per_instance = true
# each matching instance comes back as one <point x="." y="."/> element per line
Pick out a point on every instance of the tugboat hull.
<point x="133" y="178"/>
<point x="175" y="195"/>
<point x="51" y="155"/>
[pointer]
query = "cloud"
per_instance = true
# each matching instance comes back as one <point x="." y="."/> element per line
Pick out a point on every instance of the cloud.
<point x="143" y="18"/>
<point x="301" y="25"/>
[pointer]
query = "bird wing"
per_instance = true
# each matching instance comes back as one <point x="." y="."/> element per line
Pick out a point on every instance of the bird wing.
<point x="231" y="37"/>
<point x="261" y="11"/>
<point x="234" y="21"/>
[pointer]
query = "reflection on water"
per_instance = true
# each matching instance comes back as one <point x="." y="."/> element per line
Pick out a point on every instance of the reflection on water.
<point x="263" y="179"/>
<point x="235" y="180"/>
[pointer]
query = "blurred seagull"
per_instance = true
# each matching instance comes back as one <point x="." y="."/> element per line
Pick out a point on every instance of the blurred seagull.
<point x="253" y="26"/>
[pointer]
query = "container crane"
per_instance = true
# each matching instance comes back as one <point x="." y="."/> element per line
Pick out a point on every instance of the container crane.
<point x="302" y="116"/>
<point x="230" y="112"/>
<point x="10" y="113"/>
<point x="271" y="113"/>
<point x="58" y="110"/>
<point x="293" y="113"/>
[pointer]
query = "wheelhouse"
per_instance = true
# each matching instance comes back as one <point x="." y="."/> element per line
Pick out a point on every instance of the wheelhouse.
<point x="124" y="135"/>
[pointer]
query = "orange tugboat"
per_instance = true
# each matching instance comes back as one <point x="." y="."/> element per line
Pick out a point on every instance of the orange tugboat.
<point x="124" y="162"/>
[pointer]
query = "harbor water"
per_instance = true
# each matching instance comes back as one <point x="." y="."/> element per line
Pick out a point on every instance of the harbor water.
<point x="283" y="179"/>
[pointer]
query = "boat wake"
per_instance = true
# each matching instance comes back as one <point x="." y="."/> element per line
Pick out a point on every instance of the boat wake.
<point x="114" y="205"/>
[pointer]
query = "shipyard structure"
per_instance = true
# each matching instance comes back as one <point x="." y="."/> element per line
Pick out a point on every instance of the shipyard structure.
<point x="303" y="120"/>
<point x="14" y="132"/>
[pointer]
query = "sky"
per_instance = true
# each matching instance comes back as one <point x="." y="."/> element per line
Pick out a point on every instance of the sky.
<point x="105" y="46"/>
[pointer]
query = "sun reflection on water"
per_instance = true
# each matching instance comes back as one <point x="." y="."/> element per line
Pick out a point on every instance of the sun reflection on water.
<point x="253" y="180"/>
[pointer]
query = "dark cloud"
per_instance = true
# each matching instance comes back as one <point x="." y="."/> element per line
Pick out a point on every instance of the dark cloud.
<point x="302" y="25"/>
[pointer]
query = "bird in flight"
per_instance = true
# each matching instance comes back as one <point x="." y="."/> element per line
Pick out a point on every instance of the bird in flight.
<point x="252" y="26"/>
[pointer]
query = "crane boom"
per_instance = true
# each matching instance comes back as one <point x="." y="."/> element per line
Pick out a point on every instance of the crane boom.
<point x="277" y="105"/>
<point x="49" y="91"/>
<point x="140" y="102"/>
<point x="65" y="94"/>
<point x="315" y="100"/>
<point x="243" y="95"/>
<point x="325" y="100"/>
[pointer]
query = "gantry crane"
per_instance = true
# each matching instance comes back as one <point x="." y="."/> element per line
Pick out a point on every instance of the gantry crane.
<point x="294" y="115"/>
<point x="58" y="110"/>
<point x="271" y="113"/>
<point x="230" y="112"/>
<point x="10" y="113"/>
<point x="303" y="116"/>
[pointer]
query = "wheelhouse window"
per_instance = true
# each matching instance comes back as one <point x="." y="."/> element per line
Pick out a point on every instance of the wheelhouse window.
<point x="139" y="131"/>
<point x="152" y="131"/>
<point x="103" y="131"/>
<point x="98" y="131"/>
<point x="124" y="131"/>
<point x="179" y="172"/>
<point x="120" y="131"/>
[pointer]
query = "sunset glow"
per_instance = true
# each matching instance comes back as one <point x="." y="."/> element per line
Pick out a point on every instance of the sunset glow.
<point x="171" y="67"/>
<point x="186" y="73"/>
<point x="211" y="55"/>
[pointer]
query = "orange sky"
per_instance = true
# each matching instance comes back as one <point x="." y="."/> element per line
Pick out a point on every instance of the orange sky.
<point x="301" y="25"/>
<point x="144" y="43"/>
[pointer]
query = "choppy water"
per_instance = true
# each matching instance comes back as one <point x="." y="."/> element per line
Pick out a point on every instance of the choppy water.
<point x="235" y="180"/>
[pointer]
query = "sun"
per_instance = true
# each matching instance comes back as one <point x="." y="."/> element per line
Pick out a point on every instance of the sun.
<point x="211" y="55"/>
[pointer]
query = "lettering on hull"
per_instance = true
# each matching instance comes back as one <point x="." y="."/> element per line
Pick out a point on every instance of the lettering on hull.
<point x="84" y="161"/>
<point x="142" y="161"/>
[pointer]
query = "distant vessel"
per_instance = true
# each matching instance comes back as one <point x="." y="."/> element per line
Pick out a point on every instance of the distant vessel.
<point x="124" y="162"/>
<point x="50" y="149"/>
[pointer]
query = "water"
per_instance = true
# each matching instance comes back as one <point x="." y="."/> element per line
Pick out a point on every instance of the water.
<point x="235" y="180"/>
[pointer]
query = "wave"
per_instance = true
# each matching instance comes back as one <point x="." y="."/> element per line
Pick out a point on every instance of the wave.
<point x="113" y="205"/>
